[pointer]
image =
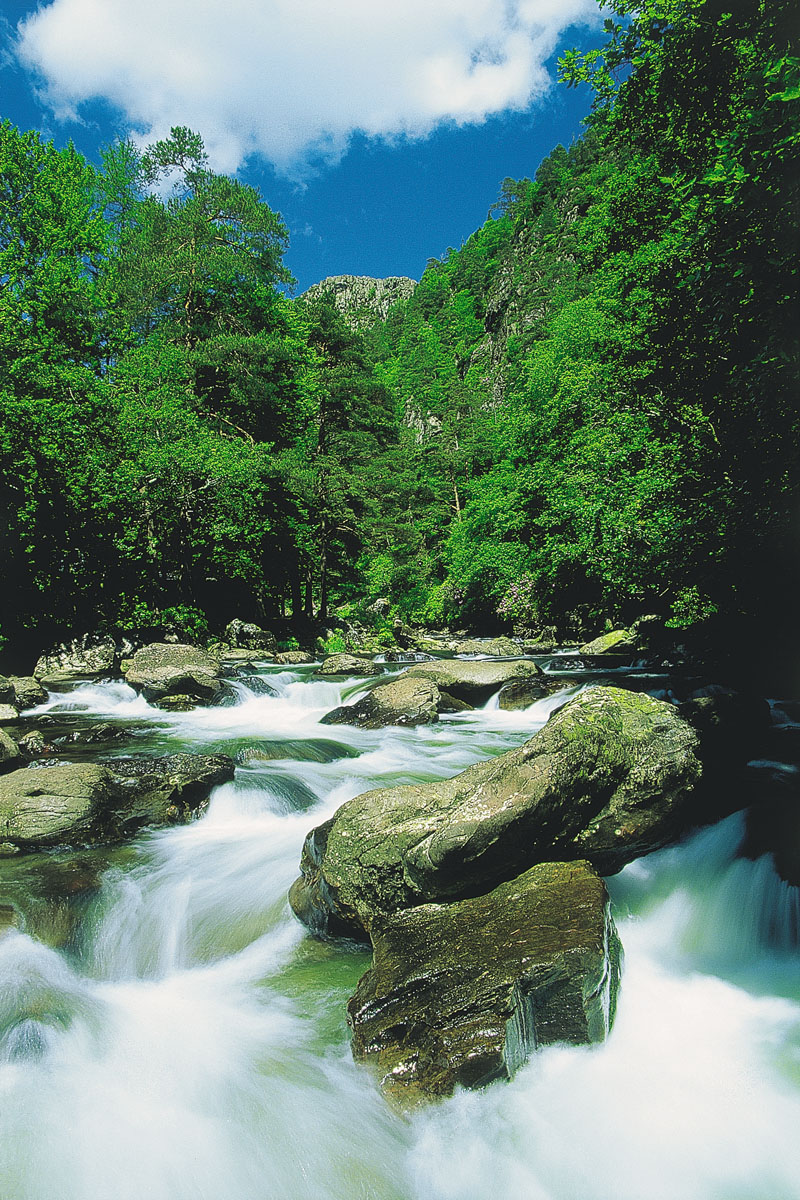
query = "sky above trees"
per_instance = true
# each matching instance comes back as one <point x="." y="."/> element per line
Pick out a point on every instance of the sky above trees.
<point x="380" y="131"/>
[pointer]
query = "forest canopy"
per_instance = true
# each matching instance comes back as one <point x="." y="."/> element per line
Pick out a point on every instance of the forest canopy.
<point x="590" y="407"/>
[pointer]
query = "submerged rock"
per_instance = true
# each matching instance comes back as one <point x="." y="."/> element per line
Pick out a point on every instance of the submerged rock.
<point x="348" y="664"/>
<point x="472" y="681"/>
<point x="610" y="777"/>
<point x="460" y="994"/>
<point x="164" y="669"/>
<point x="404" y="701"/>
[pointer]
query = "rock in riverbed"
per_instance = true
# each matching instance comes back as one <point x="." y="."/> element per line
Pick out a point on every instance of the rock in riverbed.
<point x="338" y="665"/>
<point x="461" y="993"/>
<point x="610" y="777"/>
<point x="472" y="681"/>
<point x="165" y="669"/>
<point x="80" y="804"/>
<point x="404" y="701"/>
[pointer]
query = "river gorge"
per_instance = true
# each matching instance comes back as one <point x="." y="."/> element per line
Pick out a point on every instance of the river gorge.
<point x="169" y="1030"/>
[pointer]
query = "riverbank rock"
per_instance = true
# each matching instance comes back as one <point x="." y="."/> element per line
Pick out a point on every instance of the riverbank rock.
<point x="348" y="664"/>
<point x="75" y="662"/>
<point x="619" y="641"/>
<point x="472" y="681"/>
<point x="404" y="701"/>
<point x="243" y="635"/>
<point x="80" y="804"/>
<point x="7" y="695"/>
<point x="165" y="669"/>
<point x="460" y="994"/>
<point x="28" y="692"/>
<point x="610" y="777"/>
<point x="8" y="712"/>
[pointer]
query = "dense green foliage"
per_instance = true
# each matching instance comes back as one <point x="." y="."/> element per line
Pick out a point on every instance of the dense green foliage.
<point x="589" y="408"/>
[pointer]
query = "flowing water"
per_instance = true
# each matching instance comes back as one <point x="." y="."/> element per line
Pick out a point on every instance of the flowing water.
<point x="187" y="1040"/>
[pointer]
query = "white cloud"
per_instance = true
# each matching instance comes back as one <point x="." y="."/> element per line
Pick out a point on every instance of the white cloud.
<point x="292" y="80"/>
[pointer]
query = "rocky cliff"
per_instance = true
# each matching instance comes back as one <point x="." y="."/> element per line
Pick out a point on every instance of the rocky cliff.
<point x="362" y="300"/>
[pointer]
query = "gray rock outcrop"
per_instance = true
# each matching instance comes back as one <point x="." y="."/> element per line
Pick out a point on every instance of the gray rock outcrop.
<point x="472" y="681"/>
<point x="361" y="300"/>
<point x="74" y="662"/>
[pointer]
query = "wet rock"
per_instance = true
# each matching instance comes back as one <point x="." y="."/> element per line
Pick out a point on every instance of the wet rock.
<point x="610" y="777"/>
<point x="460" y="994"/>
<point x="619" y="641"/>
<point x="404" y="701"/>
<point x="54" y="805"/>
<point x="165" y="790"/>
<point x="74" y="662"/>
<point x="243" y="635"/>
<point x="7" y="695"/>
<point x="176" y="703"/>
<point x="522" y="693"/>
<point x="348" y="664"/>
<point x="34" y="745"/>
<point x="28" y="692"/>
<point x="8" y="712"/>
<point x="80" y="804"/>
<point x="10" y="754"/>
<point x="235" y="661"/>
<point x="162" y="669"/>
<point x="294" y="658"/>
<point x="472" y="681"/>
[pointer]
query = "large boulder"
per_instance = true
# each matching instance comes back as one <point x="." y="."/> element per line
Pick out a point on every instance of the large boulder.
<point x="73" y="662"/>
<point x="461" y="993"/>
<point x="610" y="777"/>
<point x="243" y="635"/>
<point x="404" y="701"/>
<point x="7" y="695"/>
<point x="51" y="806"/>
<point x="472" y="681"/>
<point x="80" y="804"/>
<point x="163" y="669"/>
<point x="28" y="692"/>
<point x="338" y="665"/>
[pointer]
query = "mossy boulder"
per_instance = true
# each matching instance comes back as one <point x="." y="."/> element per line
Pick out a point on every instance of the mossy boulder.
<point x="344" y="665"/>
<point x="472" y="681"/>
<point x="404" y="701"/>
<point x="165" y="669"/>
<point x="501" y="647"/>
<point x="619" y="641"/>
<point x="294" y="658"/>
<point x="10" y="754"/>
<point x="460" y="994"/>
<point x="610" y="777"/>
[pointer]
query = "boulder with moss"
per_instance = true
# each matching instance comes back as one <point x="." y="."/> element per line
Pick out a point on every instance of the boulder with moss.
<point x="165" y="669"/>
<point x="404" y="701"/>
<point x="345" y="665"/>
<point x="473" y="681"/>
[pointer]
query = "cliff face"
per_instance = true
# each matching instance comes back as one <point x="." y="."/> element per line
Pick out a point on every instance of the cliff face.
<point x="363" y="301"/>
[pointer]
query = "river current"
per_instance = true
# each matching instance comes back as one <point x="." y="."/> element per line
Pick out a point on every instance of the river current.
<point x="187" y="1040"/>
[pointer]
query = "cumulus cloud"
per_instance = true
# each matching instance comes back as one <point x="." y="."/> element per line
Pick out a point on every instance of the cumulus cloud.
<point x="293" y="80"/>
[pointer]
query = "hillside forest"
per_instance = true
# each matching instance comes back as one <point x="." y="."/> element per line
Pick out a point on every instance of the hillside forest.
<point x="588" y="411"/>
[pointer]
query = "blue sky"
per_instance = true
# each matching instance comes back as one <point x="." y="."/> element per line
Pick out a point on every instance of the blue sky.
<point x="381" y="137"/>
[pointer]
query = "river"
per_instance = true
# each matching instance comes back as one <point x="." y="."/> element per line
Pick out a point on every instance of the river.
<point x="187" y="1039"/>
